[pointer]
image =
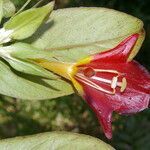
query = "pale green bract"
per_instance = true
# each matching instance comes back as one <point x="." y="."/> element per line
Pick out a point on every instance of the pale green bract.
<point x="26" y="23"/>
<point x="22" y="63"/>
<point x="55" y="141"/>
<point x="8" y="8"/>
<point x="30" y="87"/>
<point x="69" y="35"/>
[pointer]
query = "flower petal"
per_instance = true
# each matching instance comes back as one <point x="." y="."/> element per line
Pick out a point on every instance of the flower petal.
<point x="135" y="98"/>
<point x="99" y="103"/>
<point x="131" y="101"/>
<point x="120" y="53"/>
<point x="137" y="76"/>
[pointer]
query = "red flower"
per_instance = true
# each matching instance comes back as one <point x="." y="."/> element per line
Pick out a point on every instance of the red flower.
<point x="108" y="82"/>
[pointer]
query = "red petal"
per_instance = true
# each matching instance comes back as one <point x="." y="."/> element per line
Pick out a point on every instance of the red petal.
<point x="106" y="124"/>
<point x="120" y="53"/>
<point x="100" y="105"/>
<point x="134" y="99"/>
<point x="131" y="101"/>
<point x="136" y="96"/>
<point x="137" y="76"/>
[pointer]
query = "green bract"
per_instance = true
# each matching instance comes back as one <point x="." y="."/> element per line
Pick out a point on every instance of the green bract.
<point x="18" y="56"/>
<point x="8" y="8"/>
<point x="26" y="23"/>
<point x="31" y="87"/>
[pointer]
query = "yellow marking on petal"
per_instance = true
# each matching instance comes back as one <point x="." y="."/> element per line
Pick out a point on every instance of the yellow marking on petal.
<point x="60" y="68"/>
<point x="74" y="70"/>
<point x="77" y="86"/>
<point x="84" y="61"/>
<point x="66" y="70"/>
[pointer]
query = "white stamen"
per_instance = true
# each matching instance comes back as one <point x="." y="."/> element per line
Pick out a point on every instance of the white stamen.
<point x="92" y="84"/>
<point x="101" y="79"/>
<point x="104" y="70"/>
<point x="114" y="82"/>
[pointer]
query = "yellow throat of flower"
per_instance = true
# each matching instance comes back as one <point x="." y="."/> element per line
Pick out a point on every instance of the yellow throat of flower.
<point x="60" y="68"/>
<point x="63" y="69"/>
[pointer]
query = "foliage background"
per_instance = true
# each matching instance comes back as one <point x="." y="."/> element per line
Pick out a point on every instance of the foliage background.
<point x="70" y="113"/>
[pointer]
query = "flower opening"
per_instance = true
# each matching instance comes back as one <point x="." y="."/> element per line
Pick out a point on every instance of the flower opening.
<point x="87" y="74"/>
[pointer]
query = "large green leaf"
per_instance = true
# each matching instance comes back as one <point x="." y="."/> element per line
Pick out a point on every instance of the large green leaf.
<point x="55" y="141"/>
<point x="30" y="87"/>
<point x="79" y="32"/>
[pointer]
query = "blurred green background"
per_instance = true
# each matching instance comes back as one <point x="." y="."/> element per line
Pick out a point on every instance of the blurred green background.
<point x="71" y="113"/>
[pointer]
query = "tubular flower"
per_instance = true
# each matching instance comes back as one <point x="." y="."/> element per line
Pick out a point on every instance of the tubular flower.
<point x="108" y="82"/>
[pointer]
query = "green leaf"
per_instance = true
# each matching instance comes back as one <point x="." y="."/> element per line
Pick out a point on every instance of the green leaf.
<point x="79" y="32"/>
<point x="30" y="87"/>
<point x="8" y="8"/>
<point x="17" y="55"/>
<point x="55" y="141"/>
<point x="29" y="68"/>
<point x="26" y="52"/>
<point x="26" y="23"/>
<point x="32" y="82"/>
